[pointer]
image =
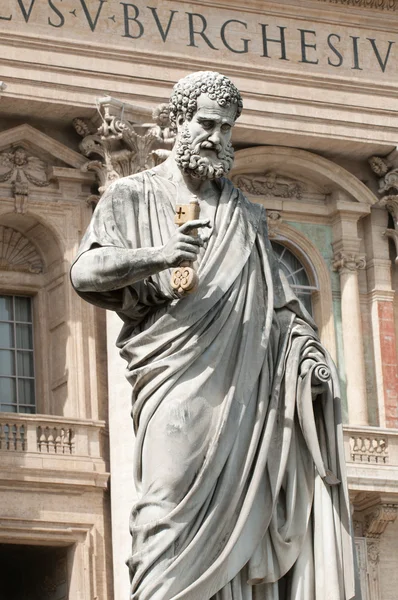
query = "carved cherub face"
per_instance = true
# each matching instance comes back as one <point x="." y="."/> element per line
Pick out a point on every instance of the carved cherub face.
<point x="161" y="115"/>
<point x="204" y="147"/>
<point x="20" y="157"/>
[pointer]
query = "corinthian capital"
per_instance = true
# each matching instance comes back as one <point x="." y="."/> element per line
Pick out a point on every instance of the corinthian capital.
<point x="391" y="204"/>
<point x="348" y="262"/>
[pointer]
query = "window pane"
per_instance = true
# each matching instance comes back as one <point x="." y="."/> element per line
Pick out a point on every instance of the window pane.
<point x="7" y="390"/>
<point x="23" y="309"/>
<point x="25" y="364"/>
<point x="7" y="362"/>
<point x="295" y="273"/>
<point x="30" y="410"/>
<point x="8" y="408"/>
<point x="26" y="391"/>
<point x="306" y="300"/>
<point x="6" y="312"/>
<point x="6" y="335"/>
<point x="24" y="336"/>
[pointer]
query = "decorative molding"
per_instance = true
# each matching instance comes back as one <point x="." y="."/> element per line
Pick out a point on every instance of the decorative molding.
<point x="387" y="171"/>
<point x="20" y="168"/>
<point x="274" y="221"/>
<point x="269" y="183"/>
<point x="391" y="204"/>
<point x="393" y="235"/>
<point x="344" y="262"/>
<point x="17" y="164"/>
<point x="377" y="519"/>
<point x="386" y="5"/>
<point x="118" y="148"/>
<point x="374" y="522"/>
<point x="17" y="253"/>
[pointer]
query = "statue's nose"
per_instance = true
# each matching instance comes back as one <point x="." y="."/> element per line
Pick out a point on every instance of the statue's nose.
<point x="215" y="137"/>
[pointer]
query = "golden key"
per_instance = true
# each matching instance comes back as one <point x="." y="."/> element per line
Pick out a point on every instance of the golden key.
<point x="184" y="279"/>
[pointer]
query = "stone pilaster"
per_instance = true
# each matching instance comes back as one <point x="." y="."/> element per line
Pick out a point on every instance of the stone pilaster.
<point x="375" y="523"/>
<point x="348" y="264"/>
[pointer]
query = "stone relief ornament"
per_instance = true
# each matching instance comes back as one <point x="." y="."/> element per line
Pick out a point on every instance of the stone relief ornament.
<point x="20" y="168"/>
<point x="387" y="170"/>
<point x="17" y="253"/>
<point x="18" y="163"/>
<point x="269" y="184"/>
<point x="350" y="262"/>
<point x="375" y="523"/>
<point x="274" y="221"/>
<point x="117" y="149"/>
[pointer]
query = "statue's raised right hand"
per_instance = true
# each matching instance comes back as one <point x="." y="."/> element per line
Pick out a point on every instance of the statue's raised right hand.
<point x="182" y="246"/>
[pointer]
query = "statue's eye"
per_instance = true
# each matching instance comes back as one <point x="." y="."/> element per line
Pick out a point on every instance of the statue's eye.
<point x="207" y="124"/>
<point x="225" y="128"/>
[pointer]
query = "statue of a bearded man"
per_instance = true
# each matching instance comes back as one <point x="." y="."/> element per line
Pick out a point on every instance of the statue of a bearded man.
<point x="239" y="461"/>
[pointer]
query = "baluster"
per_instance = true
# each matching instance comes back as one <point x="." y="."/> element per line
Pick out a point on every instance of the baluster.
<point x="71" y="441"/>
<point x="7" y="436"/>
<point x="13" y="436"/>
<point x="22" y="437"/>
<point x="2" y="437"/>
<point x="58" y="449"/>
<point x="18" y="441"/>
<point x="40" y="439"/>
<point x="52" y="433"/>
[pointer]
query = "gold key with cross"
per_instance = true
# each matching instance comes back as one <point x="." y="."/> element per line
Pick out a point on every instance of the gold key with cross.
<point x="184" y="279"/>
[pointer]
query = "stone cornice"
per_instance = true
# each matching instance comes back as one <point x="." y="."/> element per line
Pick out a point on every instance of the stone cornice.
<point x="380" y="5"/>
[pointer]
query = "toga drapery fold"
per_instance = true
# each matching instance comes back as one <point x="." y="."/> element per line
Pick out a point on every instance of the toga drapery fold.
<point x="234" y="459"/>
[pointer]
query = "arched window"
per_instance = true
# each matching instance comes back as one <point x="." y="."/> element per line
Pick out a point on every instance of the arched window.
<point x="295" y="274"/>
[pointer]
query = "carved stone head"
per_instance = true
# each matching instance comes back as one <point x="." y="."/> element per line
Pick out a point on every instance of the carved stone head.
<point x="184" y="99"/>
<point x="161" y="115"/>
<point x="203" y="108"/>
<point x="20" y="157"/>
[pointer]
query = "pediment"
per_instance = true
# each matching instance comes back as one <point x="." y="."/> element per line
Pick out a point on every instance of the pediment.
<point x="40" y="146"/>
<point x="309" y="171"/>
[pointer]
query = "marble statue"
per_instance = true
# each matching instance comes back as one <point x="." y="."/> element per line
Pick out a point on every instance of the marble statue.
<point x="239" y="461"/>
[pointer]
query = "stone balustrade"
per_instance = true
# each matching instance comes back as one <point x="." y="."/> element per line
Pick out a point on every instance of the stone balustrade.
<point x="70" y="450"/>
<point x="372" y="458"/>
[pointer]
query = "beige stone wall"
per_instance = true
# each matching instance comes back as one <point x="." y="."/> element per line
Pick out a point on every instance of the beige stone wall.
<point x="54" y="464"/>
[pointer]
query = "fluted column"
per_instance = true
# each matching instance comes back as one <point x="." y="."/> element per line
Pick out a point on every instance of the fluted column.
<point x="347" y="265"/>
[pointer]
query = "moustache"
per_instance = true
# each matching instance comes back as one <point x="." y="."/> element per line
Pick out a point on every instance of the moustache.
<point x="207" y="145"/>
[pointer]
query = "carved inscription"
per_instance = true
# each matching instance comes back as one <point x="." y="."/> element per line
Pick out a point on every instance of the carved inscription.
<point x="258" y="35"/>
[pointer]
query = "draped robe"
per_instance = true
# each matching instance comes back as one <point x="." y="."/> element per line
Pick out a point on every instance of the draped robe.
<point x="233" y="458"/>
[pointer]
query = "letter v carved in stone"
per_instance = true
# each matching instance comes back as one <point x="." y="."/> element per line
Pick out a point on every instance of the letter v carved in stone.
<point x="163" y="32"/>
<point x="26" y="13"/>
<point x="382" y="63"/>
<point x="92" y="22"/>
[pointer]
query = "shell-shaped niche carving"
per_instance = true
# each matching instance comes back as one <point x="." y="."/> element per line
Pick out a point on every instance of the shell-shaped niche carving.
<point x="17" y="253"/>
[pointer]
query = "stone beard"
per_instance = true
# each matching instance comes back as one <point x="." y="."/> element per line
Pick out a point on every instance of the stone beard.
<point x="189" y="158"/>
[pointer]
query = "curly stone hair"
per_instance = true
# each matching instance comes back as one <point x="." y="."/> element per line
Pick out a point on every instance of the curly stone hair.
<point x="186" y="92"/>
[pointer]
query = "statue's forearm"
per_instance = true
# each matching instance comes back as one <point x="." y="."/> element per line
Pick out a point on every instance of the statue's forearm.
<point x="109" y="268"/>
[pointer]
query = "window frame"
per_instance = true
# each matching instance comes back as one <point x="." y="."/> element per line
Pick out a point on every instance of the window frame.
<point x="32" y="286"/>
<point x="15" y="351"/>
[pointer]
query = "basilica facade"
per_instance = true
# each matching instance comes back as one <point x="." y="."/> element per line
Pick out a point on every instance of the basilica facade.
<point x="83" y="101"/>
